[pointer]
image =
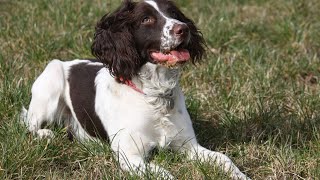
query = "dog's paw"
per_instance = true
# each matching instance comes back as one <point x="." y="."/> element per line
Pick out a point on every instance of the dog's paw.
<point x="23" y="116"/>
<point x="45" y="133"/>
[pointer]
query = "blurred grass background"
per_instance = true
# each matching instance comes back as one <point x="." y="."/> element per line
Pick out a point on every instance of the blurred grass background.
<point x="254" y="97"/>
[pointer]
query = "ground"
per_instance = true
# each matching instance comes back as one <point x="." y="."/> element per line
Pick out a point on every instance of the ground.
<point x="254" y="97"/>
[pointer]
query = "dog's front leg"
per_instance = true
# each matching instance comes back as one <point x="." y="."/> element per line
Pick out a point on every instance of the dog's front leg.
<point x="135" y="164"/>
<point x="198" y="152"/>
<point x="131" y="152"/>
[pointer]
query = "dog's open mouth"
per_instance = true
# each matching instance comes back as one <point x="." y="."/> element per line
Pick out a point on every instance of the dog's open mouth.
<point x="171" y="58"/>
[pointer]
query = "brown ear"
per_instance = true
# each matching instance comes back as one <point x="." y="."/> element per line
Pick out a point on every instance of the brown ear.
<point x="113" y="43"/>
<point x="196" y="45"/>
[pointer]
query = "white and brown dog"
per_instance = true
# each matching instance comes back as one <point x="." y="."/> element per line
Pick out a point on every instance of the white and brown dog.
<point x="130" y="95"/>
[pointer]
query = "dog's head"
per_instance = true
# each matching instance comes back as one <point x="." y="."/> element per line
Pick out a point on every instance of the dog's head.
<point x="148" y="31"/>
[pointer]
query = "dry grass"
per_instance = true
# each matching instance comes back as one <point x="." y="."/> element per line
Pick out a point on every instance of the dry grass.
<point x="255" y="97"/>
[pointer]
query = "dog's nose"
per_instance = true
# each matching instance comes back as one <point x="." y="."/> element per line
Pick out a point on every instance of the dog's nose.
<point x="180" y="29"/>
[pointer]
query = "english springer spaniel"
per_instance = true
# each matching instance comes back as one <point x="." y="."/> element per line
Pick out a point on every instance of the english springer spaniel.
<point x="130" y="95"/>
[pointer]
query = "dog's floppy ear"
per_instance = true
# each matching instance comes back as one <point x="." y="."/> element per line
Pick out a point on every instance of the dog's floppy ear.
<point x="113" y="43"/>
<point x="196" y="45"/>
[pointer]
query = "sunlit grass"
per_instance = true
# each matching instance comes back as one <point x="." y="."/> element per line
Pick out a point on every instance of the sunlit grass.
<point x="254" y="97"/>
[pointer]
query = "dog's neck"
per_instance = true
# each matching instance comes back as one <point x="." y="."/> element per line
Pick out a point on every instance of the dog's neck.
<point x="159" y="85"/>
<point x="157" y="80"/>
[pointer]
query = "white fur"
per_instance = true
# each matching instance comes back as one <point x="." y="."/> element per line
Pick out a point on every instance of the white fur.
<point x="135" y="122"/>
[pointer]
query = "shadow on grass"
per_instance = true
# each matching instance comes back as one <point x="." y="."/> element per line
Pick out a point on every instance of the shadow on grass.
<point x="274" y="124"/>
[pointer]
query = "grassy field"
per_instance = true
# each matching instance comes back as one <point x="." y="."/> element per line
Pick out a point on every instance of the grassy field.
<point x="255" y="97"/>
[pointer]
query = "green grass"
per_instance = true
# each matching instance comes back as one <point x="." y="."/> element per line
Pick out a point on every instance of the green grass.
<point x="255" y="97"/>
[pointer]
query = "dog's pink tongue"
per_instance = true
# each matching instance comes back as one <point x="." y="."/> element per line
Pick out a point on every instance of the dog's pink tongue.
<point x="173" y="57"/>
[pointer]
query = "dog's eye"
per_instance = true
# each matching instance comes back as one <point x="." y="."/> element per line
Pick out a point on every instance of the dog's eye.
<point x="147" y="20"/>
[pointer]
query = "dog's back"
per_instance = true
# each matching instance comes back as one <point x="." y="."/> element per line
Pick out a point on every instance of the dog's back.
<point x="51" y="98"/>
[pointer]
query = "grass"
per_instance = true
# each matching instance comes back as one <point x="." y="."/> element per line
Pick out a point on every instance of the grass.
<point x="255" y="97"/>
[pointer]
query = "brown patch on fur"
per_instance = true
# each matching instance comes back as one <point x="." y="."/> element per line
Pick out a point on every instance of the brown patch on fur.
<point x="83" y="93"/>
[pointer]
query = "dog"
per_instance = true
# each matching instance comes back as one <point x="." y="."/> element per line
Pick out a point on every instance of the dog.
<point x="130" y="95"/>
